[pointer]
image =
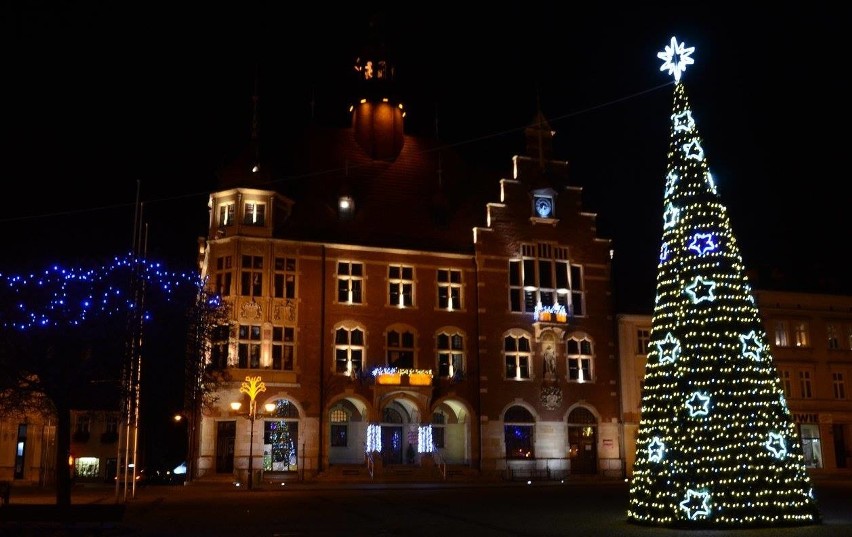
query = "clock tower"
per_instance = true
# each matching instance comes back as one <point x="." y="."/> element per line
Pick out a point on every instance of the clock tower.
<point x="377" y="114"/>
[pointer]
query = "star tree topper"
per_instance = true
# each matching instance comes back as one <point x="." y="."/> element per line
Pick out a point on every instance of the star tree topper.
<point x="675" y="58"/>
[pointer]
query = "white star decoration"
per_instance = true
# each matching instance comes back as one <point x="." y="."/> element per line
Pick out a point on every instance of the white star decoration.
<point x="693" y="150"/>
<point x="670" y="216"/>
<point x="702" y="243"/>
<point x="655" y="449"/>
<point x="776" y="445"/>
<point x="675" y="58"/>
<point x="669" y="349"/>
<point x="664" y="251"/>
<point x="698" y="404"/>
<point x="683" y="121"/>
<point x="751" y="345"/>
<point x="671" y="179"/>
<point x="696" y="504"/>
<point x="701" y="289"/>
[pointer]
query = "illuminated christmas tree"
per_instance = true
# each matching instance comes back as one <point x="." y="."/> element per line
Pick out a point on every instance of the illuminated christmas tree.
<point x="717" y="445"/>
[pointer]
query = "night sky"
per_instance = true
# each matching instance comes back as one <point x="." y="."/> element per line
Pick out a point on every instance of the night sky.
<point x="102" y="99"/>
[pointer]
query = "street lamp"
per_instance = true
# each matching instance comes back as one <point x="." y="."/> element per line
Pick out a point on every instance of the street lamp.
<point x="251" y="387"/>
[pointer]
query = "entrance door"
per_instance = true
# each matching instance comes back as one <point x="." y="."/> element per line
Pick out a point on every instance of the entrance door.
<point x="582" y="441"/>
<point x="226" y="433"/>
<point x="391" y="444"/>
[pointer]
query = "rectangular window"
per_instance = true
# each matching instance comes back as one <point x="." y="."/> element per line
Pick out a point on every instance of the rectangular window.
<point x="401" y="286"/>
<point x="252" y="276"/>
<point x="284" y="279"/>
<point x="226" y="214"/>
<point x="643" y="337"/>
<point x="787" y="383"/>
<point x="449" y="289"/>
<point x="254" y="213"/>
<point x="219" y="344"/>
<point x="517" y="352"/>
<point x="450" y="355"/>
<point x="248" y="346"/>
<point x="400" y="349"/>
<point x="811" y="445"/>
<point x="801" y="334"/>
<point x="283" y="347"/>
<point x="350" y="282"/>
<point x="833" y="333"/>
<point x="839" y="385"/>
<point x="805" y="384"/>
<point x="544" y="276"/>
<point x="782" y="334"/>
<point x="224" y="275"/>
<point x="83" y="423"/>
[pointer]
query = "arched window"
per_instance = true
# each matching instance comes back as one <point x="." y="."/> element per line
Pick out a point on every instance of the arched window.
<point x="348" y="350"/>
<point x="519" y="430"/>
<point x="450" y="345"/>
<point x="517" y="352"/>
<point x="580" y="354"/>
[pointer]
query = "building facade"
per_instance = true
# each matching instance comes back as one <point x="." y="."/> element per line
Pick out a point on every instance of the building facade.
<point x="403" y="310"/>
<point x="810" y="338"/>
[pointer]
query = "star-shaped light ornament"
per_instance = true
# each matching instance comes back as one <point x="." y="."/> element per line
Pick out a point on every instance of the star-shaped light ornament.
<point x="751" y="345"/>
<point x="696" y="503"/>
<point x="664" y="251"/>
<point x="698" y="404"/>
<point x="702" y="243"/>
<point x="776" y="445"/>
<point x="675" y="58"/>
<point x="701" y="289"/>
<point x="670" y="216"/>
<point x="656" y="449"/>
<point x="669" y="349"/>
<point x="683" y="122"/>
<point x="671" y="179"/>
<point x="711" y="182"/>
<point x="693" y="150"/>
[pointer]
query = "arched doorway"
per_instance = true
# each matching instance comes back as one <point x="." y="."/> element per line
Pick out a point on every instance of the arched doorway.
<point x="582" y="441"/>
<point x="281" y="438"/>
<point x="347" y="432"/>
<point x="394" y="419"/>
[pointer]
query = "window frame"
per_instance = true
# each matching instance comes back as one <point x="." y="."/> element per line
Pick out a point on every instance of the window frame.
<point x="521" y="357"/>
<point x="352" y="353"/>
<point x="350" y="282"/>
<point x="450" y="287"/>
<point x="401" y="286"/>
<point x="581" y="362"/>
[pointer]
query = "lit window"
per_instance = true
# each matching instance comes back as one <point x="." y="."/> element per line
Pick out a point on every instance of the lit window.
<point x="348" y="350"/>
<point x="248" y="346"/>
<point x="224" y="275"/>
<point x="400" y="286"/>
<point x="544" y="277"/>
<point x="801" y="335"/>
<point x="350" y="282"/>
<point x="449" y="289"/>
<point x="450" y="354"/>
<point x="219" y="344"/>
<point x="579" y="359"/>
<point x="782" y="334"/>
<point x="517" y="352"/>
<point x="226" y="214"/>
<point x="254" y="213"/>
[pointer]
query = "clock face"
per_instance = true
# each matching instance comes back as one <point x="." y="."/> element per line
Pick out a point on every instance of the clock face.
<point x="543" y="206"/>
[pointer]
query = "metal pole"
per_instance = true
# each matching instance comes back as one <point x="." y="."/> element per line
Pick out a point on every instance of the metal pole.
<point x="251" y="448"/>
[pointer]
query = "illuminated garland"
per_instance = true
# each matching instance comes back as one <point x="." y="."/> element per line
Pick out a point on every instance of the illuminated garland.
<point x="61" y="296"/>
<point x="717" y="446"/>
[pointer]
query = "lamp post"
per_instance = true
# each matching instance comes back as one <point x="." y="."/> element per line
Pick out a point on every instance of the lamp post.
<point x="251" y="387"/>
